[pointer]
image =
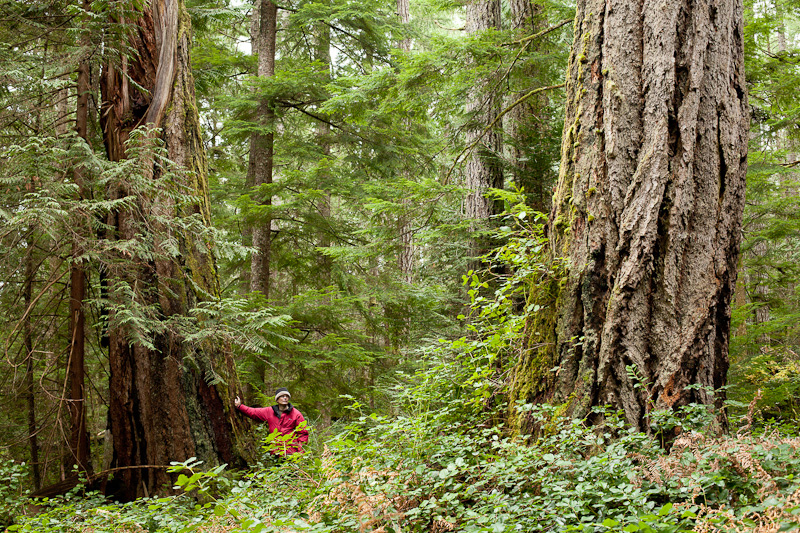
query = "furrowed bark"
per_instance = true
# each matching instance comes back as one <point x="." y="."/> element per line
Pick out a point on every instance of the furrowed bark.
<point x="262" y="144"/>
<point x="483" y="169"/>
<point x="648" y="207"/>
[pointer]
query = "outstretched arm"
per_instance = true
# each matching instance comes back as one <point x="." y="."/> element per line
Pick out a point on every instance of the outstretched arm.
<point x="256" y="413"/>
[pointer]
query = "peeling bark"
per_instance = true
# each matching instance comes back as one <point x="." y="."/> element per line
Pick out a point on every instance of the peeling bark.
<point x="649" y="203"/>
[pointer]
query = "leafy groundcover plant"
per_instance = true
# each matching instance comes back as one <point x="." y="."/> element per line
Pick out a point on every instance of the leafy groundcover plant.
<point x="431" y="471"/>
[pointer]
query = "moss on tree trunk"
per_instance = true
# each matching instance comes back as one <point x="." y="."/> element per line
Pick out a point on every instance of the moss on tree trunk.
<point x="172" y="400"/>
<point x="648" y="207"/>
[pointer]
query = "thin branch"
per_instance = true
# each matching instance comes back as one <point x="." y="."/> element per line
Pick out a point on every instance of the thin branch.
<point x="500" y="115"/>
<point x="462" y="28"/>
<point x="541" y="33"/>
<point x="11" y="335"/>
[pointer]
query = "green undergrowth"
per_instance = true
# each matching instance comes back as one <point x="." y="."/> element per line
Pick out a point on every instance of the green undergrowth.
<point x="431" y="471"/>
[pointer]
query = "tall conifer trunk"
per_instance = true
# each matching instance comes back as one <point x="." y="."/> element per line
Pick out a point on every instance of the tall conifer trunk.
<point x="27" y="299"/>
<point x="167" y="402"/>
<point x="648" y="206"/>
<point x="526" y="123"/>
<point x="483" y="164"/>
<point x="322" y="54"/>
<point x="262" y="143"/>
<point x="79" y="435"/>
<point x="405" y="254"/>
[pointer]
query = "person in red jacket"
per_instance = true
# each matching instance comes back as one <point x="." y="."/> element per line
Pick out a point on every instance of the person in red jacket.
<point x="282" y="418"/>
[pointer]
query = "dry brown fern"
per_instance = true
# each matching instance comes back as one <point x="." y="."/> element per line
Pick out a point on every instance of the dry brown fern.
<point x="349" y="495"/>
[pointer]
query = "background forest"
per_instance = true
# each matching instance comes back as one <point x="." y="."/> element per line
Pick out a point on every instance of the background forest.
<point x="328" y="231"/>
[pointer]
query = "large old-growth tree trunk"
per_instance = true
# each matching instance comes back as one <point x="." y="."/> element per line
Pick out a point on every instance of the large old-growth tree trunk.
<point x="648" y="206"/>
<point x="166" y="402"/>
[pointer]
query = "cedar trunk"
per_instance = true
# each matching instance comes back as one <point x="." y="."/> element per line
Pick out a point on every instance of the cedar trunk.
<point x="166" y="404"/>
<point x="648" y="208"/>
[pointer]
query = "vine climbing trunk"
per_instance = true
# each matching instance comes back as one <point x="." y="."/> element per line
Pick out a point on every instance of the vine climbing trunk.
<point x="648" y="207"/>
<point x="169" y="399"/>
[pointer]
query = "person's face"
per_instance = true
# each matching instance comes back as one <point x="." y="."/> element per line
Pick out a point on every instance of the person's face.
<point x="283" y="399"/>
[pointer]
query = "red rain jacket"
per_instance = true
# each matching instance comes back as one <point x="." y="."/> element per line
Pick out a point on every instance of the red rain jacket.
<point x="284" y="423"/>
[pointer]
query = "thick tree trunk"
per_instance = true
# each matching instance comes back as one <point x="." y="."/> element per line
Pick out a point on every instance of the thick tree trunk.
<point x="260" y="163"/>
<point x="483" y="170"/>
<point x="168" y="402"/>
<point x="649" y="204"/>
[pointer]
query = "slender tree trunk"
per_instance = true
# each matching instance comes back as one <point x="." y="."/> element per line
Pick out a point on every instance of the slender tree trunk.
<point x="526" y="124"/>
<point x="483" y="170"/>
<point x="261" y="160"/>
<point x="27" y="298"/>
<point x="648" y="206"/>
<point x="322" y="53"/>
<point x="167" y="402"/>
<point x="405" y="255"/>
<point x="79" y="436"/>
<point x="262" y="144"/>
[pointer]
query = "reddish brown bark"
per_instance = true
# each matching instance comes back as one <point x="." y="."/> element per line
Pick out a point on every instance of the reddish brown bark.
<point x="164" y="405"/>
